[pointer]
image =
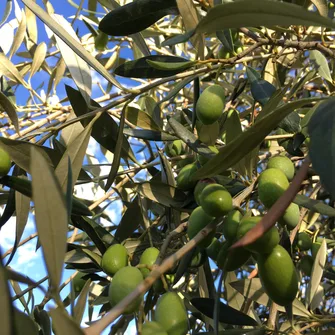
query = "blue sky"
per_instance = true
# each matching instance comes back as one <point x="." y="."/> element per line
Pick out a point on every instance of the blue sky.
<point x="27" y="260"/>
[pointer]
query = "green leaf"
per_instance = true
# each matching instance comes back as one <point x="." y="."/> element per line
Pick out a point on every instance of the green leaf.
<point x="140" y="119"/>
<point x="140" y="68"/>
<point x="176" y="88"/>
<point x="262" y="91"/>
<point x="255" y="13"/>
<point x="226" y="38"/>
<point x="248" y="140"/>
<point x="6" y="13"/>
<point x="22" y="205"/>
<point x="321" y="64"/>
<point x="178" y="66"/>
<point x="9" y="209"/>
<point x="227" y="314"/>
<point x="291" y="123"/>
<point x="314" y="205"/>
<point x="51" y="216"/>
<point x="161" y="193"/>
<point x="317" y="272"/>
<point x="150" y="135"/>
<point x="136" y="16"/>
<point x="117" y="153"/>
<point x="9" y="108"/>
<point x="79" y="69"/>
<point x="182" y="38"/>
<point x="104" y="130"/>
<point x="321" y="129"/>
<point x="79" y="308"/>
<point x="127" y="224"/>
<point x="98" y="234"/>
<point x="6" y="315"/>
<point x="63" y="324"/>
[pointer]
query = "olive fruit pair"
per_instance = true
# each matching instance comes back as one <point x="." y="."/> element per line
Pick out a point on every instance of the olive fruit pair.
<point x="273" y="182"/>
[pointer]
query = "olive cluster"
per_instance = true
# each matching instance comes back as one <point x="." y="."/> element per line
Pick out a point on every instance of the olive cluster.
<point x="170" y="313"/>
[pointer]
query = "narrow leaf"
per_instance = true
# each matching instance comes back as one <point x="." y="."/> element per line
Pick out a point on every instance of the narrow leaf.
<point x="51" y="216"/>
<point x="6" y="315"/>
<point x="127" y="224"/>
<point x="227" y="314"/>
<point x="140" y="119"/>
<point x="78" y="68"/>
<point x="79" y="308"/>
<point x="140" y="68"/>
<point x="317" y="272"/>
<point x="19" y="35"/>
<point x="161" y="193"/>
<point x="321" y="64"/>
<point x="63" y="323"/>
<point x="178" y="66"/>
<point x="321" y="129"/>
<point x="314" y="205"/>
<point x="10" y="109"/>
<point x="39" y="57"/>
<point x="254" y="13"/>
<point x="8" y="69"/>
<point x="75" y="151"/>
<point x="117" y="153"/>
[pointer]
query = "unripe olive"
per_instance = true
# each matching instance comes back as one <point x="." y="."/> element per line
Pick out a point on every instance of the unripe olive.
<point x="201" y="184"/>
<point x="210" y="104"/>
<point x="174" y="148"/>
<point x="233" y="259"/>
<point x="263" y="244"/>
<point x="278" y="275"/>
<point x="230" y="224"/>
<point x="197" y="221"/>
<point x="114" y="258"/>
<point x="213" y="249"/>
<point x="171" y="314"/>
<point x="78" y="282"/>
<point x="5" y="162"/>
<point x="123" y="283"/>
<point x="306" y="265"/>
<point x="148" y="258"/>
<point x="184" y="179"/>
<point x="272" y="183"/>
<point x="304" y="242"/>
<point x="215" y="200"/>
<point x="284" y="164"/>
<point x="224" y="53"/>
<point x="291" y="217"/>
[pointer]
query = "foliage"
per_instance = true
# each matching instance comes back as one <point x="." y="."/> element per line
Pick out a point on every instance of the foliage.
<point x="270" y="94"/>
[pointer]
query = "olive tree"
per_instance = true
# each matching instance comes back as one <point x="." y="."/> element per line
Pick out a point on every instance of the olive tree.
<point x="213" y="132"/>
